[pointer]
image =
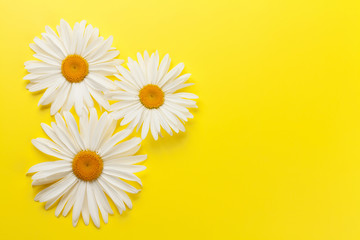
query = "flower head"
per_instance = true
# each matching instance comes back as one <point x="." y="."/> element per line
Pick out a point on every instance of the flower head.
<point x="91" y="164"/>
<point x="148" y="96"/>
<point x="72" y="67"/>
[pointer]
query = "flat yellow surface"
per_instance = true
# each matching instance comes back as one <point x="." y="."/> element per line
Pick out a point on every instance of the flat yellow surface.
<point x="273" y="151"/>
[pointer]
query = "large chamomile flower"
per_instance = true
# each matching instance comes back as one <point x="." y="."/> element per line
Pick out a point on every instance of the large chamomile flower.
<point x="148" y="96"/>
<point x="73" y="67"/>
<point x="91" y="164"/>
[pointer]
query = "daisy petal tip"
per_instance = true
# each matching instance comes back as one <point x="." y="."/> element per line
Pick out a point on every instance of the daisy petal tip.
<point x="52" y="111"/>
<point x="74" y="223"/>
<point x="62" y="21"/>
<point x="141" y="168"/>
<point x="36" y="198"/>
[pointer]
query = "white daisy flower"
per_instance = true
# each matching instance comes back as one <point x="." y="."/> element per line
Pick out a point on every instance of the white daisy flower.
<point x="148" y="95"/>
<point x="73" y="67"/>
<point x="90" y="164"/>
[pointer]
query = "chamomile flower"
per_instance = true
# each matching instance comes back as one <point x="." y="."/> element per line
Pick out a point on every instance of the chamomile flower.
<point x="90" y="164"/>
<point x="73" y="67"/>
<point x="148" y="96"/>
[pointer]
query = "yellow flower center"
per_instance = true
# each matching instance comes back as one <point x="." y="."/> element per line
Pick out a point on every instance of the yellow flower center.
<point x="87" y="165"/>
<point x="74" y="68"/>
<point x="151" y="96"/>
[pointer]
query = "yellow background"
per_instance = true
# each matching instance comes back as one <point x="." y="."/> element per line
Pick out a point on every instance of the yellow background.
<point x="273" y="151"/>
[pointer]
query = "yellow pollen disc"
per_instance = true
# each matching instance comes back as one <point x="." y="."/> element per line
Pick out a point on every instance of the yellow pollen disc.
<point x="87" y="165"/>
<point x="74" y="68"/>
<point x="151" y="96"/>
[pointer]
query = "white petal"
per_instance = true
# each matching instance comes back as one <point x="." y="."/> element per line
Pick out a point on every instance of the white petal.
<point x="60" y="98"/>
<point x="101" y="198"/>
<point x="119" y="183"/>
<point x="178" y="87"/>
<point x="64" y="200"/>
<point x="146" y="124"/>
<point x="48" y="165"/>
<point x="176" y="83"/>
<point x="57" y="189"/>
<point x="45" y="47"/>
<point x="111" y="192"/>
<point x="128" y="76"/>
<point x="85" y="212"/>
<point x="137" y="73"/>
<point x="100" y="51"/>
<point x="49" y="176"/>
<point x="99" y="98"/>
<point x="172" y="74"/>
<point x="122" y="147"/>
<point x="64" y="138"/>
<point x="71" y="200"/>
<point x="124" y="167"/>
<point x="93" y="208"/>
<point x="123" y="154"/>
<point x="129" y="160"/>
<point x="43" y="84"/>
<point x="79" y="200"/>
<point x="52" y="134"/>
<point x="102" y="82"/>
<point x="163" y="68"/>
<point x="122" y="174"/>
<point x="186" y="95"/>
<point x="98" y="132"/>
<point x="74" y="129"/>
<point x="154" y="125"/>
<point x="51" y="93"/>
<point x="39" y="144"/>
<point x="113" y="140"/>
